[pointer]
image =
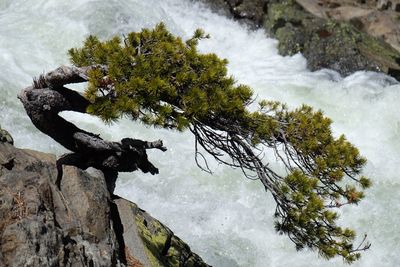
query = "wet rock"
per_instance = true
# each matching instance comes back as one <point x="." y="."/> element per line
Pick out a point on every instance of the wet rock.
<point x="249" y="12"/>
<point x="5" y="137"/>
<point x="218" y="6"/>
<point x="326" y="43"/>
<point x="375" y="19"/>
<point x="345" y="36"/>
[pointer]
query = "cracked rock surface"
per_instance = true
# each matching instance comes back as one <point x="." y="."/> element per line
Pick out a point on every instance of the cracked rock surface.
<point x="79" y="225"/>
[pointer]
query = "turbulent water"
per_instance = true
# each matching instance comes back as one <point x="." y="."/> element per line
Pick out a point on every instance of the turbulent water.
<point x="224" y="217"/>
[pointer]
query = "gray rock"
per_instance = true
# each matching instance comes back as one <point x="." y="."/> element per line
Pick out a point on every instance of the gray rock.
<point x="79" y="225"/>
<point x="346" y="45"/>
<point x="5" y="137"/>
<point x="42" y="226"/>
<point x="159" y="246"/>
<point x="329" y="44"/>
<point x="249" y="12"/>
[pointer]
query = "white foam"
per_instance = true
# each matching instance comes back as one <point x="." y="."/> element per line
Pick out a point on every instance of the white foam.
<point x="225" y="218"/>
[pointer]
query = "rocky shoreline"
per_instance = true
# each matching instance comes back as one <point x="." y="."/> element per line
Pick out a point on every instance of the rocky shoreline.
<point x="346" y="36"/>
<point x="80" y="225"/>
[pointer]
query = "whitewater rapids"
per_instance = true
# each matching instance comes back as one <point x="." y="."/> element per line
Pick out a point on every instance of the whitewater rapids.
<point x="224" y="217"/>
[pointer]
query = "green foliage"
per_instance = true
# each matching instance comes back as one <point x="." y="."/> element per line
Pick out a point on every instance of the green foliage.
<point x="155" y="77"/>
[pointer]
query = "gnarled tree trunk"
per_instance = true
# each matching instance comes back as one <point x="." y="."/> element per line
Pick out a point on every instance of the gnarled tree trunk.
<point x="48" y="96"/>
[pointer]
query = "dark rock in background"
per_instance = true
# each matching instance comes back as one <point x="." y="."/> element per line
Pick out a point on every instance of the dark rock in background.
<point x="249" y="12"/>
<point x="325" y="41"/>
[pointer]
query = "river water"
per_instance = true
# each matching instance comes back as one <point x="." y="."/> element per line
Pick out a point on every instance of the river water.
<point x="226" y="218"/>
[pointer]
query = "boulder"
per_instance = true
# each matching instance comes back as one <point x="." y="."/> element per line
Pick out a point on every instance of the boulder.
<point x="151" y="242"/>
<point x="249" y="12"/>
<point x="327" y="43"/>
<point x="368" y="16"/>
<point x="342" y="35"/>
<point x="80" y="225"/>
<point x="5" y="136"/>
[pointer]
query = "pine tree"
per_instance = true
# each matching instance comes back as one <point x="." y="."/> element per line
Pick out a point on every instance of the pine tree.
<point x="157" y="78"/>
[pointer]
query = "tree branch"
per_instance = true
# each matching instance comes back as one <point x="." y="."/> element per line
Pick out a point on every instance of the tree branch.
<point x="48" y="96"/>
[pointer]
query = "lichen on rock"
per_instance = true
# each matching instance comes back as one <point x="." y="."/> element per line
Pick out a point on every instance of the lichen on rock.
<point x="326" y="36"/>
<point x="328" y="44"/>
<point x="162" y="246"/>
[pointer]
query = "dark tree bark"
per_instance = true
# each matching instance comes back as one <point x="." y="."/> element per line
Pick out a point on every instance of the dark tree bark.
<point x="48" y="96"/>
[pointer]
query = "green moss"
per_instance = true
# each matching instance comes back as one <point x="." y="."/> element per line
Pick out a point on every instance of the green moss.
<point x="162" y="247"/>
<point x="152" y="258"/>
<point x="154" y="237"/>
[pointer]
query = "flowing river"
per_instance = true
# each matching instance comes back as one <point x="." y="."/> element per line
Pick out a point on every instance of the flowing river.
<point x="225" y="218"/>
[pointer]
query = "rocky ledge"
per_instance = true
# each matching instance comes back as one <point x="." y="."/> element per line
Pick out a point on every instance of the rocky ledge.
<point x="80" y="225"/>
<point x="342" y="35"/>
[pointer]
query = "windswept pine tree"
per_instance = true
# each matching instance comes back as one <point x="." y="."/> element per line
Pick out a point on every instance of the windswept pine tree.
<point x="157" y="78"/>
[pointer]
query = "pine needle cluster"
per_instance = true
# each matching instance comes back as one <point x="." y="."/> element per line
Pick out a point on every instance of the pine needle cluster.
<point x="163" y="81"/>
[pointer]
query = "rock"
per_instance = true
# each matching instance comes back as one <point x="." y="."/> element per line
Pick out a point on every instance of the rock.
<point x="343" y="35"/>
<point x="219" y="6"/>
<point x="328" y="44"/>
<point x="314" y="7"/>
<point x="5" y="137"/>
<point x="385" y="5"/>
<point x="81" y="225"/>
<point x="160" y="246"/>
<point x="42" y="226"/>
<point x="249" y="12"/>
<point x="367" y="16"/>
